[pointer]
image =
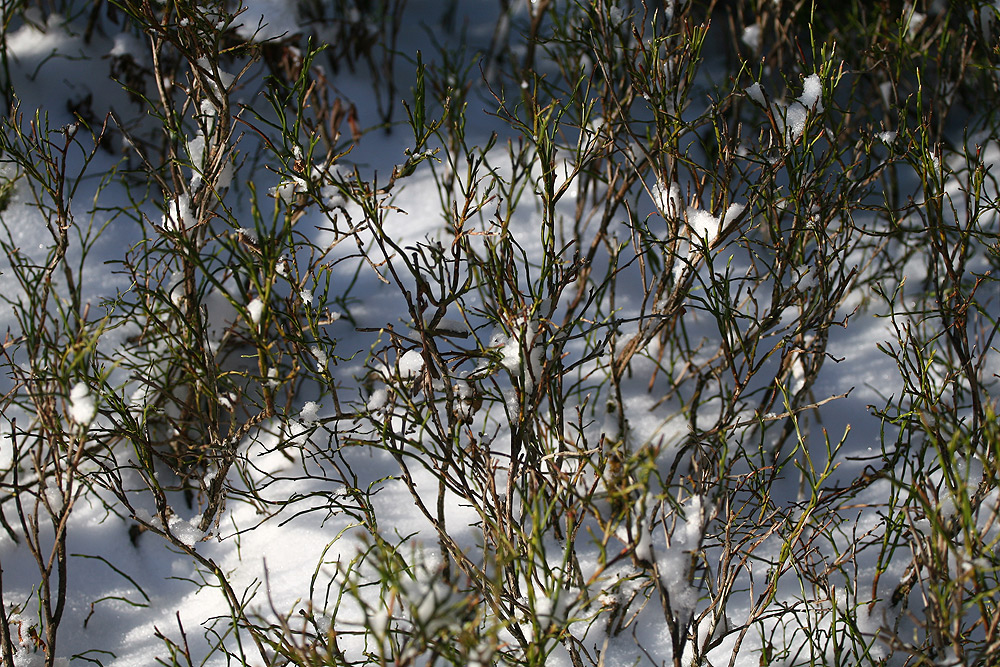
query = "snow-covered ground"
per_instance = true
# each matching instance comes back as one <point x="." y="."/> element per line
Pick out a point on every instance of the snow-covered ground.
<point x="132" y="595"/>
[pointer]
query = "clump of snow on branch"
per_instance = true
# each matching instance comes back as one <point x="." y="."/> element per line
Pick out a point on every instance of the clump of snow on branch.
<point x="54" y="495"/>
<point x="82" y="406"/>
<point x="255" y="309"/>
<point x="512" y="354"/>
<point x="791" y="118"/>
<point x="377" y="399"/>
<point x="310" y="412"/>
<point x="703" y="224"/>
<point x="668" y="199"/>
<point x="186" y="531"/>
<point x="322" y="359"/>
<point x="178" y="215"/>
<point x="411" y="363"/>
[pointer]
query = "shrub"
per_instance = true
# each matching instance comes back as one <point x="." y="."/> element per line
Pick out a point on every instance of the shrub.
<point x="574" y="380"/>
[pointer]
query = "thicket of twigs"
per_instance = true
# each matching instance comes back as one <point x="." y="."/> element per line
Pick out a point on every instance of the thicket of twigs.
<point x="609" y="354"/>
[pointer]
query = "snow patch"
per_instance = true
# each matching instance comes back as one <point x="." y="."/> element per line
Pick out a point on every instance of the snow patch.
<point x="756" y="93"/>
<point x="703" y="224"/>
<point x="265" y="20"/>
<point x="82" y="407"/>
<point x="255" y="309"/>
<point x="322" y="359"/>
<point x="310" y="412"/>
<point x="378" y="399"/>
<point x="411" y="363"/>
<point x="751" y="37"/>
<point x="812" y="93"/>
<point x="178" y="215"/>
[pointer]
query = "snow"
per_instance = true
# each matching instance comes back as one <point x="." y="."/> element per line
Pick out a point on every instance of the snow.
<point x="310" y="412"/>
<point x="793" y="119"/>
<point x="127" y="44"/>
<point x="280" y="563"/>
<point x="178" y="215"/>
<point x="322" y="358"/>
<point x="732" y="213"/>
<point x="812" y="93"/>
<point x="512" y="357"/>
<point x="224" y="78"/>
<point x="284" y="191"/>
<point x="185" y="530"/>
<point x="378" y="399"/>
<point x="411" y="363"/>
<point x="83" y="407"/>
<point x="703" y="224"/>
<point x="751" y="37"/>
<point x="265" y="20"/>
<point x="668" y="199"/>
<point x="756" y="93"/>
<point x="255" y="309"/>
<point x="54" y="496"/>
